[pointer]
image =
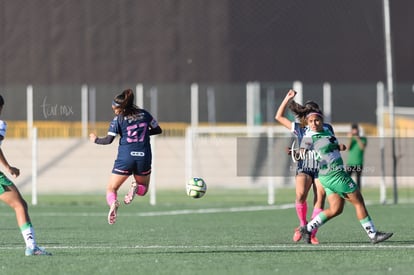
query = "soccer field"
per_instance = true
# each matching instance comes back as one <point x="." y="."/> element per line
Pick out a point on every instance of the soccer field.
<point x="226" y="232"/>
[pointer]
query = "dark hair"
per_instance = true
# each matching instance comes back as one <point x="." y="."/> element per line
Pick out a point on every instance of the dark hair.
<point x="312" y="104"/>
<point x="354" y="126"/>
<point x="1" y="100"/>
<point x="125" y="101"/>
<point x="301" y="111"/>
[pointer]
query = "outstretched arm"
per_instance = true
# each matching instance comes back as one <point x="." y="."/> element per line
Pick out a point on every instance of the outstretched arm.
<point x="280" y="114"/>
<point x="104" y="141"/>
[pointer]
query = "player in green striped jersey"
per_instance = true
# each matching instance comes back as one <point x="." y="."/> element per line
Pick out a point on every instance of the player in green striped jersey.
<point x="10" y="195"/>
<point x="338" y="185"/>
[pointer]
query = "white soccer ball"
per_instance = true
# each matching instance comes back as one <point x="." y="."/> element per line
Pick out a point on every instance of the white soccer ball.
<point x="196" y="188"/>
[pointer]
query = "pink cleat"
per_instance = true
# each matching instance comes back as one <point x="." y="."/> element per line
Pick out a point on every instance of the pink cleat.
<point x="297" y="236"/>
<point x="314" y="240"/>
<point x="112" y="212"/>
<point x="131" y="193"/>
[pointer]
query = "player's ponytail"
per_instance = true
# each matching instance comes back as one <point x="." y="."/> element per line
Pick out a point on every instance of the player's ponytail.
<point x="299" y="110"/>
<point x="125" y="102"/>
<point x="302" y="111"/>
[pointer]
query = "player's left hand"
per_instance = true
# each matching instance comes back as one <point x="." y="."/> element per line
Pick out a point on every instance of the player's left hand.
<point x="342" y="147"/>
<point x="15" y="172"/>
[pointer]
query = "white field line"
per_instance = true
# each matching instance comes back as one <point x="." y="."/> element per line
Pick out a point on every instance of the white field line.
<point x="217" y="210"/>
<point x="225" y="248"/>
<point x="168" y="213"/>
<point x="206" y="247"/>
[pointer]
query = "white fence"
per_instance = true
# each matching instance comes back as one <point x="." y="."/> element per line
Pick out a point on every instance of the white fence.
<point x="186" y="162"/>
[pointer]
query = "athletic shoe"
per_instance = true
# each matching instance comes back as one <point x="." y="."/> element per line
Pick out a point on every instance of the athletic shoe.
<point x="112" y="212"/>
<point x="314" y="240"/>
<point x="380" y="237"/>
<point x="306" y="235"/>
<point x="131" y="193"/>
<point x="37" y="251"/>
<point x="297" y="236"/>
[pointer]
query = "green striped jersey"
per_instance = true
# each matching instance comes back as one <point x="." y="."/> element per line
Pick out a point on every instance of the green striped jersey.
<point x="325" y="148"/>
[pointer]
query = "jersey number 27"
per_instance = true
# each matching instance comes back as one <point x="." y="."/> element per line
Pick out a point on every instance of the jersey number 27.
<point x="136" y="132"/>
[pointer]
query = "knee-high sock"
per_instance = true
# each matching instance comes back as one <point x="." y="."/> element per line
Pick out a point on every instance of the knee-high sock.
<point x="111" y="197"/>
<point x="301" y="211"/>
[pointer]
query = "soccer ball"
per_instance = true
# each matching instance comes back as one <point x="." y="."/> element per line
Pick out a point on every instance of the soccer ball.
<point x="196" y="188"/>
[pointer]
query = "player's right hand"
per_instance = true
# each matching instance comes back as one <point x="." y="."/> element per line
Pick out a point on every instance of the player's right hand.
<point x="92" y="137"/>
<point x="291" y="94"/>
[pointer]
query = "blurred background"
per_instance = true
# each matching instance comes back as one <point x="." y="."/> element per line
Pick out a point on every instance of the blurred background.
<point x="62" y="62"/>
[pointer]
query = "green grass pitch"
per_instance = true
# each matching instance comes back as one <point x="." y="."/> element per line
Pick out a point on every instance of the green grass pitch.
<point x="225" y="232"/>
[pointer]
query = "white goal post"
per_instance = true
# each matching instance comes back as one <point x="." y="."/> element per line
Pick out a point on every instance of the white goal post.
<point x="211" y="153"/>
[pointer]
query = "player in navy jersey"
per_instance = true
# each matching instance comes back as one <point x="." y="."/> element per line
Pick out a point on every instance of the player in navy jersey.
<point x="134" y="126"/>
<point x="10" y="195"/>
<point x="307" y="168"/>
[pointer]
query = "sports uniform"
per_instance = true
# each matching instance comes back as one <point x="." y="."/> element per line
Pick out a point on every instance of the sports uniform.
<point x="332" y="173"/>
<point x="307" y="165"/>
<point x="134" y="150"/>
<point x="4" y="180"/>
<point x="14" y="199"/>
<point x="335" y="180"/>
<point x="134" y="126"/>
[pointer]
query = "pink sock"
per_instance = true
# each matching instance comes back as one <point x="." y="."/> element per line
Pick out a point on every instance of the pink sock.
<point x="316" y="211"/>
<point x="110" y="197"/>
<point x="142" y="190"/>
<point x="301" y="211"/>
